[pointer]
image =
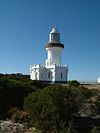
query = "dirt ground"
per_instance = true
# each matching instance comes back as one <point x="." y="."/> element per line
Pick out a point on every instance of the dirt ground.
<point x="92" y="86"/>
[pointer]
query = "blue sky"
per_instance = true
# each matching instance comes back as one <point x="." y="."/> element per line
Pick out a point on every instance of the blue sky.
<point x="24" y="30"/>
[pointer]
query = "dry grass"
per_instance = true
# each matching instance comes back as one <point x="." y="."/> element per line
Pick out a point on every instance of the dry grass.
<point x="93" y="86"/>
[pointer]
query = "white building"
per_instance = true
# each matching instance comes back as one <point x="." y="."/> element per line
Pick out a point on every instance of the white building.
<point x="52" y="71"/>
<point x="98" y="80"/>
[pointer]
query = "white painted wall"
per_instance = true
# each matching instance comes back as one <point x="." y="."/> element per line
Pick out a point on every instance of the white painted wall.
<point x="54" y="55"/>
<point x="99" y="80"/>
<point x="50" y="73"/>
<point x="61" y="74"/>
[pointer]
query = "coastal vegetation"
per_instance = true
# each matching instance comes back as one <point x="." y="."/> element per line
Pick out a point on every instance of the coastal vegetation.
<point x="49" y="108"/>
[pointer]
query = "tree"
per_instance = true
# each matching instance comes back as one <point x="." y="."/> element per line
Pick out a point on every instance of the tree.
<point x="52" y="107"/>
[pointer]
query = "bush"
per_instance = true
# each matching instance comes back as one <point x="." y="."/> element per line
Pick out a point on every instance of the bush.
<point x="13" y="89"/>
<point x="52" y="107"/>
<point x="74" y="83"/>
<point x="85" y="92"/>
<point x="95" y="129"/>
<point x="17" y="115"/>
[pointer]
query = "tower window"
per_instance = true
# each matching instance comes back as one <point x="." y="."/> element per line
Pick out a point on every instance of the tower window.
<point x="61" y="75"/>
<point x="48" y="75"/>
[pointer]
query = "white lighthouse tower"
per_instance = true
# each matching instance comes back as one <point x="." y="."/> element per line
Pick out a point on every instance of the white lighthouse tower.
<point x="52" y="70"/>
<point x="54" y="48"/>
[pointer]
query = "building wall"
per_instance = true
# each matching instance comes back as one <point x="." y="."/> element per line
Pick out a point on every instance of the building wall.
<point x="54" y="55"/>
<point x="61" y="74"/>
<point x="99" y="80"/>
<point x="36" y="72"/>
<point x="52" y="73"/>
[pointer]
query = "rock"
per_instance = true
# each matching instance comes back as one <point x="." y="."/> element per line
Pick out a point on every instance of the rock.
<point x="10" y="127"/>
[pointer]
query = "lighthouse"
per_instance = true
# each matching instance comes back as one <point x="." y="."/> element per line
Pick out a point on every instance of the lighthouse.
<point x="54" y="48"/>
<point x="52" y="70"/>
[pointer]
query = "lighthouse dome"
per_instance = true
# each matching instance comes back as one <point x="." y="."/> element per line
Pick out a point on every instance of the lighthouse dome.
<point x="54" y="39"/>
<point x="54" y="30"/>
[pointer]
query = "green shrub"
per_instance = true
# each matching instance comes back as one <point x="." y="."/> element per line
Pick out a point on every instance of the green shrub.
<point x="85" y="92"/>
<point x="74" y="83"/>
<point x="96" y="129"/>
<point x="52" y="107"/>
